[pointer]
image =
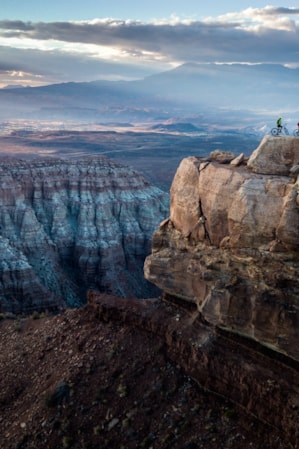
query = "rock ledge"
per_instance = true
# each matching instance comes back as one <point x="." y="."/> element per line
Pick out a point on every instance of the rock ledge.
<point x="231" y="244"/>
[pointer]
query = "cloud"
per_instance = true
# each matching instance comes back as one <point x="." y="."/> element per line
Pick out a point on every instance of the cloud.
<point x="263" y="18"/>
<point x="53" y="66"/>
<point x="87" y="49"/>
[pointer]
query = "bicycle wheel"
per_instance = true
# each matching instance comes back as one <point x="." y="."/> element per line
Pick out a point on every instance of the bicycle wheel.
<point x="274" y="131"/>
<point x="296" y="132"/>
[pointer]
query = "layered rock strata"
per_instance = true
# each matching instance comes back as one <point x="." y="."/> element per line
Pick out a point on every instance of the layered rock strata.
<point x="231" y="244"/>
<point x="67" y="226"/>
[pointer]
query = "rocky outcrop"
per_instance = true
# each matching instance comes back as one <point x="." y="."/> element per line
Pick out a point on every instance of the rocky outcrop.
<point x="231" y="244"/>
<point x="263" y="383"/>
<point x="129" y="373"/>
<point x="275" y="155"/>
<point x="67" y="226"/>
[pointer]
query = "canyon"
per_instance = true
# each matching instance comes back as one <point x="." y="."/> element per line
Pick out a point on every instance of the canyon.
<point x="207" y="357"/>
<point x="66" y="226"/>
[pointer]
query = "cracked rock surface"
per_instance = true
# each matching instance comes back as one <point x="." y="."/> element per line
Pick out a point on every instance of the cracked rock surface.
<point x="231" y="243"/>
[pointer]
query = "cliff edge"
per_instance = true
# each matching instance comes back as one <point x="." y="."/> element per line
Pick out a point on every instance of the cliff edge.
<point x="231" y="242"/>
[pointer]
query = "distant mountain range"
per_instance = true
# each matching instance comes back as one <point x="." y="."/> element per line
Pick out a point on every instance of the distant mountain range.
<point x="186" y="90"/>
<point x="176" y="127"/>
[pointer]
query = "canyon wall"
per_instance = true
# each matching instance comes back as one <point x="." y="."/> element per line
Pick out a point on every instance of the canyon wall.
<point x="231" y="242"/>
<point x="68" y="226"/>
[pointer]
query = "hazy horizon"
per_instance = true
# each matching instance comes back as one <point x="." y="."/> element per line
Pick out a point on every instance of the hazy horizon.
<point x="124" y="41"/>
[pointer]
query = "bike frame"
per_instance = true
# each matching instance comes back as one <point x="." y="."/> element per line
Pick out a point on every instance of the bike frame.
<point x="277" y="131"/>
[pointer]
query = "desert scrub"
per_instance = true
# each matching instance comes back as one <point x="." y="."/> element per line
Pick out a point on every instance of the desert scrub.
<point x="59" y="395"/>
<point x="39" y="315"/>
<point x="67" y="441"/>
<point x="9" y="316"/>
<point x="126" y="422"/>
<point x="112" y="351"/>
<point x="122" y="390"/>
<point x="97" y="430"/>
<point x="230" y="413"/>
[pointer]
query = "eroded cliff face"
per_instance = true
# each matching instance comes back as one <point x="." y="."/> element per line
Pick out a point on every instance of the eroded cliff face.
<point x="231" y="243"/>
<point x="67" y="226"/>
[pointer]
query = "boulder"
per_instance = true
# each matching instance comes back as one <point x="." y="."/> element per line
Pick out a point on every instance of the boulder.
<point x="275" y="155"/>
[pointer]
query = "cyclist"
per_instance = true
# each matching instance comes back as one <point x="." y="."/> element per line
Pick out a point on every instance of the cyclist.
<point x="279" y="124"/>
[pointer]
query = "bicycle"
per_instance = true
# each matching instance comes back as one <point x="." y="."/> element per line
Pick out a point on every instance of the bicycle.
<point x="278" y="131"/>
<point x="296" y="132"/>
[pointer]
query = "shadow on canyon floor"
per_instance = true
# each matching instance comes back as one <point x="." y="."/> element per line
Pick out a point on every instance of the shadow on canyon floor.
<point x="156" y="155"/>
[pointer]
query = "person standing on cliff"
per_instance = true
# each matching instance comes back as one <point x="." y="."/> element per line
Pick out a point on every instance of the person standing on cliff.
<point x="279" y="124"/>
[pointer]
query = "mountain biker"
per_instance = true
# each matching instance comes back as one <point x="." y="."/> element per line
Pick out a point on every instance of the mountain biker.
<point x="279" y="124"/>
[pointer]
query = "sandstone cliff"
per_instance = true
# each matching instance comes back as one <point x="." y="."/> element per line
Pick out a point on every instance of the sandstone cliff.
<point x="231" y="243"/>
<point x="68" y="226"/>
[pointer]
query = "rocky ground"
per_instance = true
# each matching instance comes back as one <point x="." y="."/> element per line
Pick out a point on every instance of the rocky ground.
<point x="89" y="380"/>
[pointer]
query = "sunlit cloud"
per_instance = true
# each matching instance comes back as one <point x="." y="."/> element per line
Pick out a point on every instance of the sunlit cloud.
<point x="269" y="17"/>
<point x="113" y="48"/>
<point x="13" y="77"/>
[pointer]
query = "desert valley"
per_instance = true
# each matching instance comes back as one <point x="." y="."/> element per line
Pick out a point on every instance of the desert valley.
<point x="149" y="238"/>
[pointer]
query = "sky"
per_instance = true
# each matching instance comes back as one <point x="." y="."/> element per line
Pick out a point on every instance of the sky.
<point x="75" y="40"/>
